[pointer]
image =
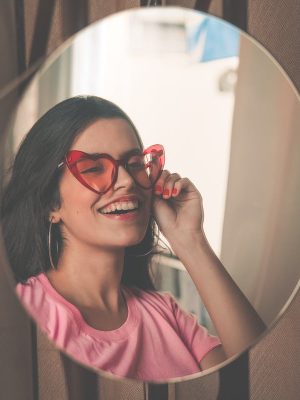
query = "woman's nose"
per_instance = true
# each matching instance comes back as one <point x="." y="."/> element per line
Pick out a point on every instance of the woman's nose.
<point x="124" y="179"/>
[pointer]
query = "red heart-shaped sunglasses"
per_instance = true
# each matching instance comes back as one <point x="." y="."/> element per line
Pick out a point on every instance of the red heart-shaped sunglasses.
<point x="99" y="172"/>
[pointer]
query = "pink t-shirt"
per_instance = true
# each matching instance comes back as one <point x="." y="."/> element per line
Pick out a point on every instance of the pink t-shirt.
<point x="158" y="340"/>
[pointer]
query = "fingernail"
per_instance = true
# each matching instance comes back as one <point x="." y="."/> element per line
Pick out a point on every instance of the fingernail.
<point x="158" y="188"/>
<point x="166" y="192"/>
<point x="174" y="191"/>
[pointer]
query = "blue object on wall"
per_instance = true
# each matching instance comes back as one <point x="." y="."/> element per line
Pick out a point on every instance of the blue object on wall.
<point x="221" y="40"/>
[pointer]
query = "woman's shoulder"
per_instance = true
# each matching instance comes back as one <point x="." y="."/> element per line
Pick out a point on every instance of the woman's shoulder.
<point x="148" y="293"/>
<point x="31" y="287"/>
<point x="38" y="296"/>
<point x="155" y="298"/>
<point x="165" y="303"/>
<point x="33" y="297"/>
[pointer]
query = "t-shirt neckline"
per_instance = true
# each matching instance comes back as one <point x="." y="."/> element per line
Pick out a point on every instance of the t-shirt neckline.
<point x="116" y="334"/>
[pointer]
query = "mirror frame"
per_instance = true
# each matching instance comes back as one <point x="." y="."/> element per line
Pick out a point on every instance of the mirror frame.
<point x="16" y="89"/>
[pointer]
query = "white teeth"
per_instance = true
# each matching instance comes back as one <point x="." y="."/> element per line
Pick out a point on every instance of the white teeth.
<point x="124" y="205"/>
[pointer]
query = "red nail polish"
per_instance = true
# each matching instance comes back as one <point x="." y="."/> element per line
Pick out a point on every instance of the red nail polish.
<point x="158" y="188"/>
<point x="174" y="191"/>
<point x="166" y="192"/>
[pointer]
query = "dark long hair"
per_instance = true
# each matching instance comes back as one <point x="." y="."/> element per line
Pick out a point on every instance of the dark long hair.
<point x="33" y="191"/>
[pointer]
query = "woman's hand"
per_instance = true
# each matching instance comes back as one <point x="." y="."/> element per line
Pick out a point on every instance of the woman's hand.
<point x="177" y="207"/>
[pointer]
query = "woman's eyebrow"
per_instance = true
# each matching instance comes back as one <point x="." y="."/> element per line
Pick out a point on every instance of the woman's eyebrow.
<point x="127" y="153"/>
<point x="132" y="152"/>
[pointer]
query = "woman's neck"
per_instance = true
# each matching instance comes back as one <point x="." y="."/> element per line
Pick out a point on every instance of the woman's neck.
<point x="90" y="277"/>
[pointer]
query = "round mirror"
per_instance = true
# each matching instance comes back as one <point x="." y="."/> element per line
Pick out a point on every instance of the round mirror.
<point x="228" y="119"/>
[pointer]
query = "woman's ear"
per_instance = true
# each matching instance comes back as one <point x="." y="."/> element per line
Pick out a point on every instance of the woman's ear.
<point x="54" y="217"/>
<point x="54" y="212"/>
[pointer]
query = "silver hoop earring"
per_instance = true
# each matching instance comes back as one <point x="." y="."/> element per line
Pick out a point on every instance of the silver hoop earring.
<point x="49" y="245"/>
<point x="155" y="247"/>
<point x="145" y="254"/>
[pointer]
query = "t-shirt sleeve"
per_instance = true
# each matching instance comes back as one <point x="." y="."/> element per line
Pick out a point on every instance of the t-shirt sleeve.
<point x="195" y="336"/>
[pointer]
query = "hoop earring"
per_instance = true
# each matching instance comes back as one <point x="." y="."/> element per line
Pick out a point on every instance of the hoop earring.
<point x="145" y="254"/>
<point x="49" y="245"/>
<point x="155" y="246"/>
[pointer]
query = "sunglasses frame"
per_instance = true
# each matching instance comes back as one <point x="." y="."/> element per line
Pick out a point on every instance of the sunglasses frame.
<point x="73" y="156"/>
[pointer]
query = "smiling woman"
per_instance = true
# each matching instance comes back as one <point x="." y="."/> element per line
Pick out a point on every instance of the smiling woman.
<point x="78" y="216"/>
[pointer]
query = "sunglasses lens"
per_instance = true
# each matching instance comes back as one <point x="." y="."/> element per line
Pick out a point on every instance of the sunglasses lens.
<point x="96" y="173"/>
<point x="145" y="168"/>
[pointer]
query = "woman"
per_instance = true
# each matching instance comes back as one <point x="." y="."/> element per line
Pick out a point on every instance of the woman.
<point x="78" y="219"/>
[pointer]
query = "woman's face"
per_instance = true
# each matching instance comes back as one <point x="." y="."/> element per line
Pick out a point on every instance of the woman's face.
<point x="84" y="215"/>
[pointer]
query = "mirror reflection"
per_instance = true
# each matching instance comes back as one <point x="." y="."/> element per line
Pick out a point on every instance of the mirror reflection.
<point x="154" y="206"/>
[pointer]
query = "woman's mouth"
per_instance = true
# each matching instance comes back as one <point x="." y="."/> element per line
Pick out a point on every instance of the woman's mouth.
<point x="122" y="210"/>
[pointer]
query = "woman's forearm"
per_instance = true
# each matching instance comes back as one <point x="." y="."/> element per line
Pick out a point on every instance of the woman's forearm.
<point x="235" y="320"/>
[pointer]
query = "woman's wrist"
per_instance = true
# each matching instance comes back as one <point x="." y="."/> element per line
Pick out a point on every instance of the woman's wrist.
<point x="189" y="243"/>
